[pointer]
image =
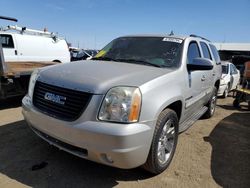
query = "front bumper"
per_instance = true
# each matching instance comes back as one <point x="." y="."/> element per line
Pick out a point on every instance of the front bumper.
<point x="119" y="145"/>
<point x="221" y="89"/>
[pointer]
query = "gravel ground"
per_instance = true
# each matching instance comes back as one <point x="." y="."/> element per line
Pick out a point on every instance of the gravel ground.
<point x="212" y="153"/>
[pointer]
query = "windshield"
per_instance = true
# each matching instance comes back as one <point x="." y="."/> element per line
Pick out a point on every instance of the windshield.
<point x="224" y="69"/>
<point x="152" y="51"/>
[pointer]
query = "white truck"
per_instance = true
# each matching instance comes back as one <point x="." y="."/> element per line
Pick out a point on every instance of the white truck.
<point x="23" y="44"/>
<point x="14" y="77"/>
<point x="21" y="51"/>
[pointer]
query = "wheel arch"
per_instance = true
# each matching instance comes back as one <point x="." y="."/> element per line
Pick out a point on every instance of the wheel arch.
<point x="217" y="84"/>
<point x="57" y="61"/>
<point x="177" y="107"/>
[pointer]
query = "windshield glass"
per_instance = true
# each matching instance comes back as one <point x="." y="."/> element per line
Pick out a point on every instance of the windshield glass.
<point x="154" y="51"/>
<point x="224" y="69"/>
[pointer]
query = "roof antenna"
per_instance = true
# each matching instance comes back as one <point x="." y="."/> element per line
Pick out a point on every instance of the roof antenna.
<point x="171" y="33"/>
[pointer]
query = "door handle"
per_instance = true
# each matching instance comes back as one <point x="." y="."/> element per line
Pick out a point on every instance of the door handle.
<point x="203" y="78"/>
<point x="213" y="74"/>
<point x="15" y="52"/>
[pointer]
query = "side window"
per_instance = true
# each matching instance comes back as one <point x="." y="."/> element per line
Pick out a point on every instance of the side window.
<point x="205" y="50"/>
<point x="7" y="41"/>
<point x="215" y="54"/>
<point x="233" y="69"/>
<point x="193" y="51"/>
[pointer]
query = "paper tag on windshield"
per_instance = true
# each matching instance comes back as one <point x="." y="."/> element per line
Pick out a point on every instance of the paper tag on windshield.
<point x="172" y="40"/>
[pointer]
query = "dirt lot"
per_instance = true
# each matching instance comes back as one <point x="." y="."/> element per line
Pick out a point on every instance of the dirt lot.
<point x="212" y="153"/>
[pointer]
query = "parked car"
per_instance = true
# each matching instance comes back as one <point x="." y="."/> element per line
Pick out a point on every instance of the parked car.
<point x="229" y="80"/>
<point x="126" y="107"/>
<point x="82" y="54"/>
<point x="21" y="44"/>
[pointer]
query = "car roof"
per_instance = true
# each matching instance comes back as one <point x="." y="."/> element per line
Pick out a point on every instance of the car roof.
<point x="170" y="36"/>
<point x="157" y="35"/>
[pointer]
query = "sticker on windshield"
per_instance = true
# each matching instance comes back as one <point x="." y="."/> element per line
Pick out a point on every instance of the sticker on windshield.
<point x="172" y="40"/>
<point x="101" y="53"/>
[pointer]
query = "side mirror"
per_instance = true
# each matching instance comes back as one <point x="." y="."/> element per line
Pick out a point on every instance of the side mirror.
<point x="200" y="64"/>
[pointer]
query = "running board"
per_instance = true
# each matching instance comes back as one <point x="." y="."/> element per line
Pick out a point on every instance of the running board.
<point x="193" y="118"/>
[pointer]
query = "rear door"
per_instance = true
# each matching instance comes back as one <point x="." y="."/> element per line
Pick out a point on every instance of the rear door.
<point x="208" y="74"/>
<point x="9" y="47"/>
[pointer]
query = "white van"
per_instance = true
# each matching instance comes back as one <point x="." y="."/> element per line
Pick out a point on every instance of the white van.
<point x="30" y="47"/>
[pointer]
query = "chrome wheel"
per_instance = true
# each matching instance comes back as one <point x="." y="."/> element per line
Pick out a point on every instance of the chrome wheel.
<point x="163" y="143"/>
<point x="166" y="142"/>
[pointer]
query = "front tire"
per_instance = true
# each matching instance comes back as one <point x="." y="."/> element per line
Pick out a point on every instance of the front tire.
<point x="164" y="142"/>
<point x="211" y="105"/>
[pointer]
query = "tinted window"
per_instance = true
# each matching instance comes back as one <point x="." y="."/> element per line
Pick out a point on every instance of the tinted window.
<point x="193" y="51"/>
<point x="7" y="41"/>
<point x="205" y="50"/>
<point x="215" y="53"/>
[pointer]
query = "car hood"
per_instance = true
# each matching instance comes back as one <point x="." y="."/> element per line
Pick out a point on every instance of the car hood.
<point x="99" y="76"/>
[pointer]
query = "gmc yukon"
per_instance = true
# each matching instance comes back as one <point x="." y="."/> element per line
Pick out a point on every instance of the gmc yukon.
<point x="126" y="106"/>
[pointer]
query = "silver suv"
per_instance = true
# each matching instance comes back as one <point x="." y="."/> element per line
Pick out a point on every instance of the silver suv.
<point x="126" y="107"/>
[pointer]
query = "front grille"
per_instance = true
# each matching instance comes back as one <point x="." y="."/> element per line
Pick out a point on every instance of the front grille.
<point x="71" y="106"/>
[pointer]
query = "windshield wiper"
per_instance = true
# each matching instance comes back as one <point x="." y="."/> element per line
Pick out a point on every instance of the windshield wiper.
<point x="143" y="62"/>
<point x="103" y="58"/>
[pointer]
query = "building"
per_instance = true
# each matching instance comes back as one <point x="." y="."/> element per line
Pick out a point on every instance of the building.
<point x="228" y="50"/>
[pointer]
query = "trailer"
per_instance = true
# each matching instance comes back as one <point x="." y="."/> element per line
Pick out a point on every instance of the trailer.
<point x="14" y="76"/>
<point x="243" y="94"/>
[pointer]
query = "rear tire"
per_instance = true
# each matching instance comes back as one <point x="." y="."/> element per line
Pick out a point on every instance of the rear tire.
<point x="211" y="105"/>
<point x="164" y="142"/>
<point x="236" y="103"/>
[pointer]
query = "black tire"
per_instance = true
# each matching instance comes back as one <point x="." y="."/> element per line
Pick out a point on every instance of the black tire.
<point x="249" y="105"/>
<point x="211" y="105"/>
<point x="153" y="163"/>
<point x="225" y="94"/>
<point x="236" y="103"/>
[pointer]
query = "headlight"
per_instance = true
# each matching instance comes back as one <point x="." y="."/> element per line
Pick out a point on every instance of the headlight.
<point x="121" y="104"/>
<point x="222" y="81"/>
<point x="32" y="82"/>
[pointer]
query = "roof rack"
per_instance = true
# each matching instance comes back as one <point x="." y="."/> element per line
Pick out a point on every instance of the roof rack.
<point x="30" y="31"/>
<point x="192" y="35"/>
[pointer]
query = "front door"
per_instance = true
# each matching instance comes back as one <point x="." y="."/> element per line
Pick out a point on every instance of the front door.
<point x="195" y="93"/>
<point x="9" y="48"/>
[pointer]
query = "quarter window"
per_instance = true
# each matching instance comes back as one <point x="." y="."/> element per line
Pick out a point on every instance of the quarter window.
<point x="193" y="51"/>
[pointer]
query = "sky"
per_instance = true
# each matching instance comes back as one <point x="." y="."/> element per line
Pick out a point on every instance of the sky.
<point x="91" y="24"/>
